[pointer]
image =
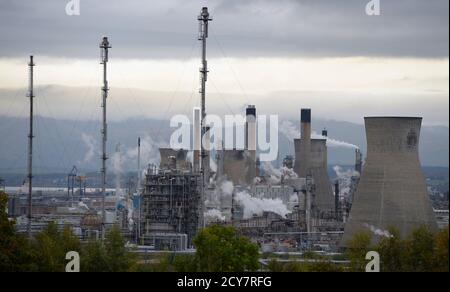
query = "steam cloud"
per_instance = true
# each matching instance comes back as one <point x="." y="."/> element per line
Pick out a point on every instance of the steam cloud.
<point x="290" y="131"/>
<point x="90" y="144"/>
<point x="257" y="206"/>
<point x="378" y="231"/>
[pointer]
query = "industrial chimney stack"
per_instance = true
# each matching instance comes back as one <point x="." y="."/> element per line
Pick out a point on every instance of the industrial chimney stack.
<point x="311" y="160"/>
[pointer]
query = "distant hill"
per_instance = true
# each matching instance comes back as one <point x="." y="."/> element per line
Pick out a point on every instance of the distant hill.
<point x="60" y="144"/>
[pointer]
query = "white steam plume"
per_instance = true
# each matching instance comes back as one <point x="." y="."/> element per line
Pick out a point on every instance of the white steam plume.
<point x="290" y="131"/>
<point x="91" y="146"/>
<point x="275" y="174"/>
<point x="214" y="215"/>
<point x="345" y="180"/>
<point x="378" y="231"/>
<point x="257" y="206"/>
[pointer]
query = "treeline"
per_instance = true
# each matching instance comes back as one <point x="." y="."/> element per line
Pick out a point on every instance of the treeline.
<point x="46" y="252"/>
<point x="218" y="249"/>
<point x="422" y="251"/>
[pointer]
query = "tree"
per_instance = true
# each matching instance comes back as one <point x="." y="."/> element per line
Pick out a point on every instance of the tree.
<point x="221" y="249"/>
<point x="15" y="253"/>
<point x="357" y="249"/>
<point x="392" y="252"/>
<point x="117" y="255"/>
<point x="51" y="245"/>
<point x="93" y="258"/>
<point x="441" y="252"/>
<point x="420" y="249"/>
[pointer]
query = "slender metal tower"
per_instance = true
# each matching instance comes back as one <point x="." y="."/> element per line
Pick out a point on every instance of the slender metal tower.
<point x="138" y="187"/>
<point x="104" y="46"/>
<point x="203" y="19"/>
<point x="30" y="94"/>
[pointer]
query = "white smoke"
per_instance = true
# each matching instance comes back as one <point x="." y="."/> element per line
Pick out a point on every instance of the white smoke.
<point x="91" y="146"/>
<point x="345" y="180"/>
<point x="293" y="198"/>
<point x="221" y="196"/>
<point x="290" y="131"/>
<point x="149" y="151"/>
<point x="333" y="142"/>
<point x="214" y="215"/>
<point x="276" y="174"/>
<point x="213" y="164"/>
<point x="255" y="206"/>
<point x="117" y="167"/>
<point x="378" y="231"/>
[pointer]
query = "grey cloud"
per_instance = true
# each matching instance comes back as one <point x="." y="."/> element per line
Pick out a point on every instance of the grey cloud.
<point x="256" y="28"/>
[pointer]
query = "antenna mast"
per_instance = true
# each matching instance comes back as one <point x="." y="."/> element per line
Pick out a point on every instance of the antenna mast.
<point x="104" y="46"/>
<point x="30" y="94"/>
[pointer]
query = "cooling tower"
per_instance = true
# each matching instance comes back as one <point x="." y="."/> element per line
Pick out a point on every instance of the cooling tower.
<point x="311" y="159"/>
<point x="392" y="191"/>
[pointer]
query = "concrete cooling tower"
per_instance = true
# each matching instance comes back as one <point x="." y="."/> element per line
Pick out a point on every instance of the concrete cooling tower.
<point x="311" y="159"/>
<point x="392" y="191"/>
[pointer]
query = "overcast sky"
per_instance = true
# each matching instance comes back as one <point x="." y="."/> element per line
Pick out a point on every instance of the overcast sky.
<point x="256" y="48"/>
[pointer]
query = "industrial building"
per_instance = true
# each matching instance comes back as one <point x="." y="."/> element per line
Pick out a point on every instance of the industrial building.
<point x="239" y="165"/>
<point x="392" y="191"/>
<point x="171" y="208"/>
<point x="311" y="160"/>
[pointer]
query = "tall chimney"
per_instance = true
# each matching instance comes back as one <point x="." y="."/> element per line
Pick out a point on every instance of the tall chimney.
<point x="305" y="127"/>
<point x="336" y="199"/>
<point x="358" y="160"/>
<point x="250" y="128"/>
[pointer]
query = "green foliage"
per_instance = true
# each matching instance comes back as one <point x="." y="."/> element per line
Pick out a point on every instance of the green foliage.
<point x="221" y="249"/>
<point x="357" y="248"/>
<point x="117" y="256"/>
<point x="14" y="249"/>
<point x="185" y="263"/>
<point x="319" y="264"/>
<point x="421" y="251"/>
<point x="50" y="247"/>
<point x="441" y="252"/>
<point x="421" y="248"/>
<point x="93" y="258"/>
<point x="392" y="252"/>
<point x="112" y="256"/>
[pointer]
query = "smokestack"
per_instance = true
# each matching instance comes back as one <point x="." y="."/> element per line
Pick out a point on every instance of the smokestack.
<point x="311" y="160"/>
<point x="305" y="127"/>
<point x="250" y="128"/>
<point x="358" y="160"/>
<point x="392" y="191"/>
<point x="336" y="199"/>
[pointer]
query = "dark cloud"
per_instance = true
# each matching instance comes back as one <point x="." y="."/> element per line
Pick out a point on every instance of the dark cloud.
<point x="168" y="29"/>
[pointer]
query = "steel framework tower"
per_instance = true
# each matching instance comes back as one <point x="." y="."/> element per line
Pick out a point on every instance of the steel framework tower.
<point x="30" y="94"/>
<point x="104" y="46"/>
<point x="203" y="19"/>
